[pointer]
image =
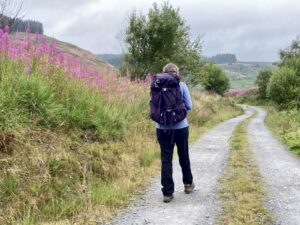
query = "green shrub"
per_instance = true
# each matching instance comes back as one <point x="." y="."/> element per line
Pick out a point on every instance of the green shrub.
<point x="286" y="125"/>
<point x="214" y="78"/>
<point x="262" y="81"/>
<point x="284" y="87"/>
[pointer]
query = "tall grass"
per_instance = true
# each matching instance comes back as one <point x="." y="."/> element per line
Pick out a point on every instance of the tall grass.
<point x="75" y="140"/>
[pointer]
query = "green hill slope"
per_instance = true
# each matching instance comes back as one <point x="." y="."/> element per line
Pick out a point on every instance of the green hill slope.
<point x="243" y="74"/>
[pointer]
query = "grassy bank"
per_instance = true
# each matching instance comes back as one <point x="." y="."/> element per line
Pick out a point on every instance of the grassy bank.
<point x="76" y="141"/>
<point x="242" y="194"/>
<point x="286" y="125"/>
<point x="53" y="174"/>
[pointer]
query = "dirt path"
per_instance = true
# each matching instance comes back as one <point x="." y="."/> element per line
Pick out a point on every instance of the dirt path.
<point x="208" y="159"/>
<point x="280" y="169"/>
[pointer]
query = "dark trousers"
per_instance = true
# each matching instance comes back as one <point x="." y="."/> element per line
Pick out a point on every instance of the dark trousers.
<point x="167" y="139"/>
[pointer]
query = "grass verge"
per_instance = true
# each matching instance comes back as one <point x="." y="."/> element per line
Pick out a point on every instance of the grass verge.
<point x="242" y="194"/>
<point x="286" y="125"/>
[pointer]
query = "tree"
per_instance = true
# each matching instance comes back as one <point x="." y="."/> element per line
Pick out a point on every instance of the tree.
<point x="284" y="85"/>
<point x="157" y="39"/>
<point x="262" y="81"/>
<point x="11" y="9"/>
<point x="291" y="55"/>
<point x="213" y="78"/>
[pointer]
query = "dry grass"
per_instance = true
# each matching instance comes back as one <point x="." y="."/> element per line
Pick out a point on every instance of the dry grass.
<point x="96" y="179"/>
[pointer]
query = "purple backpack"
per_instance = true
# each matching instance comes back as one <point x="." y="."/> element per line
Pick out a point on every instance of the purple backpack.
<point x="166" y="104"/>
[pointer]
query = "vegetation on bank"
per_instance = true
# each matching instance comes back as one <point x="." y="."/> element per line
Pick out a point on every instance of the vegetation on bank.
<point x="278" y="91"/>
<point x="282" y="86"/>
<point x="286" y="125"/>
<point x="242" y="193"/>
<point x="75" y="141"/>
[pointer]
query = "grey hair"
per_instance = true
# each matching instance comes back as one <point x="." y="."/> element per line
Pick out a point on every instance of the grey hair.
<point x="171" y="67"/>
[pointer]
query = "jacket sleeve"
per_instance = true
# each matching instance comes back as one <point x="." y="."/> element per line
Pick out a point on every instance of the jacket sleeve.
<point x="186" y="96"/>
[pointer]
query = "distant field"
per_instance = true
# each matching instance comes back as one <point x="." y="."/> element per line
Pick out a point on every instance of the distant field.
<point x="242" y="83"/>
<point x="243" y="74"/>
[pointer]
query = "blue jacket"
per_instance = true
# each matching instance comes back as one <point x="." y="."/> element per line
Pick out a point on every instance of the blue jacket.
<point x="188" y="103"/>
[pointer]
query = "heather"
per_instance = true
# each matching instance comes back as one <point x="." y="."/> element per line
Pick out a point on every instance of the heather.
<point x="75" y="139"/>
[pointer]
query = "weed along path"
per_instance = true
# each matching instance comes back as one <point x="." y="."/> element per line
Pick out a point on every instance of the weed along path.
<point x="280" y="169"/>
<point x="208" y="159"/>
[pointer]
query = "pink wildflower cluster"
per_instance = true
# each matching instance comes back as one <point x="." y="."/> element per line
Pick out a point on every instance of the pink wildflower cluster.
<point x="239" y="92"/>
<point x="35" y="53"/>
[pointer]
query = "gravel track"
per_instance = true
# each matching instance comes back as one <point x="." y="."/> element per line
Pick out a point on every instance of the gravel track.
<point x="208" y="159"/>
<point x="280" y="169"/>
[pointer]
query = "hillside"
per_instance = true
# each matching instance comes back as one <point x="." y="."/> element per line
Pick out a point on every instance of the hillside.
<point x="69" y="49"/>
<point x="113" y="59"/>
<point x="243" y="74"/>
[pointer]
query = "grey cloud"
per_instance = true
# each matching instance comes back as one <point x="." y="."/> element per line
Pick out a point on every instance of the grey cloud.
<point x="253" y="30"/>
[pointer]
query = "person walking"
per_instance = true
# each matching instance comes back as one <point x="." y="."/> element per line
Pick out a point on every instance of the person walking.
<point x="173" y="133"/>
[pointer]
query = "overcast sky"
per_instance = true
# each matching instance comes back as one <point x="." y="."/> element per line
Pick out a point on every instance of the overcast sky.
<point x="254" y="30"/>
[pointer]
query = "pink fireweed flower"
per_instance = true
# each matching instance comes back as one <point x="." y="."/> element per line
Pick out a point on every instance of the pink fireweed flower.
<point x="52" y="48"/>
<point x="74" y="62"/>
<point x="34" y="50"/>
<point x="44" y="47"/>
<point x="61" y="57"/>
<point x="37" y="53"/>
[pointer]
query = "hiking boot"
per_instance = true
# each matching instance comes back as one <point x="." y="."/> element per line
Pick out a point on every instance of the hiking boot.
<point x="168" y="198"/>
<point x="188" y="188"/>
